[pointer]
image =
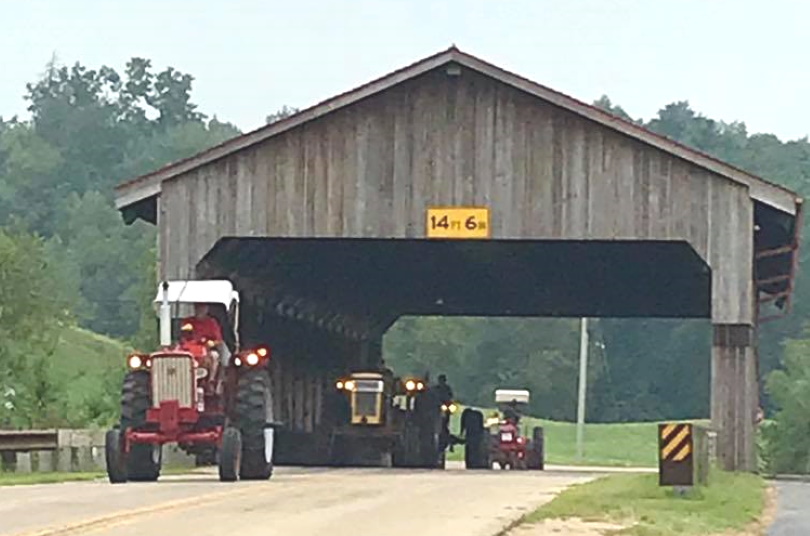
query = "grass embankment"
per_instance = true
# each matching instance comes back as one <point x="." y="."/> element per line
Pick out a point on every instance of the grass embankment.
<point x="86" y="370"/>
<point x="616" y="445"/>
<point x="733" y="501"/>
<point x="84" y="360"/>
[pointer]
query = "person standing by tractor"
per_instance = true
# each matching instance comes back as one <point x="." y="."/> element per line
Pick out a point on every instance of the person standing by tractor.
<point x="444" y="396"/>
<point x="443" y="390"/>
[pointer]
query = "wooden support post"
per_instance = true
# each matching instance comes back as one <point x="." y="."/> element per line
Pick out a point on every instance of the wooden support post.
<point x="299" y="399"/>
<point x="278" y="389"/>
<point x="322" y="383"/>
<point x="734" y="396"/>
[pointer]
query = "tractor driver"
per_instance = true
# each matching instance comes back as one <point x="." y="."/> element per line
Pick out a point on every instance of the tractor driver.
<point x="204" y="328"/>
<point x="202" y="325"/>
<point x="511" y="412"/>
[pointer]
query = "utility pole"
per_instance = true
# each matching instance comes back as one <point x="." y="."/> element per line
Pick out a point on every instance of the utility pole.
<point x="583" y="380"/>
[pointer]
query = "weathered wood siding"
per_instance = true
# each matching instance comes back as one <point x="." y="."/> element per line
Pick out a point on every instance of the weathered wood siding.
<point x="372" y="169"/>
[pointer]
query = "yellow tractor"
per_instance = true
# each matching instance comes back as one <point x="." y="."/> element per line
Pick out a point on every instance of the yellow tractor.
<point x="387" y="422"/>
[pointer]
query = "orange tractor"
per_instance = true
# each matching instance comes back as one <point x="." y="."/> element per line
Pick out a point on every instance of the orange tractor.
<point x="200" y="390"/>
<point x="388" y="421"/>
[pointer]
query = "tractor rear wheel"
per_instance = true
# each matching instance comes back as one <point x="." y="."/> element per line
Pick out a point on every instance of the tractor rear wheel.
<point x="114" y="457"/>
<point x="442" y="463"/>
<point x="429" y="452"/>
<point x="535" y="454"/>
<point x="254" y="410"/>
<point x="144" y="461"/>
<point x="230" y="457"/>
<point x="406" y="451"/>
<point x="476" y="442"/>
<point x="206" y="458"/>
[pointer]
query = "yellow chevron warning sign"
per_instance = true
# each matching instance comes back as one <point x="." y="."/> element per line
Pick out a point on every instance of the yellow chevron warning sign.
<point x="675" y="446"/>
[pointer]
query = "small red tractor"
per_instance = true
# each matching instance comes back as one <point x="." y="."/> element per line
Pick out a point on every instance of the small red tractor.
<point x="499" y="439"/>
<point x="509" y="447"/>
<point x="211" y="397"/>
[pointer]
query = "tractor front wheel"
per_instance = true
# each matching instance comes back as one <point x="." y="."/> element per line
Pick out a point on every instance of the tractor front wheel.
<point x="144" y="461"/>
<point x="476" y="441"/>
<point x="114" y="457"/>
<point x="230" y="457"/>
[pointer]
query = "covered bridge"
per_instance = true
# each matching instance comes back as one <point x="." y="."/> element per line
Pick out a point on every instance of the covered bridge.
<point x="336" y="221"/>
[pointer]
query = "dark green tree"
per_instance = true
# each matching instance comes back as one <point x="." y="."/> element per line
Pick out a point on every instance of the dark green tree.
<point x="90" y="130"/>
<point x="283" y="113"/>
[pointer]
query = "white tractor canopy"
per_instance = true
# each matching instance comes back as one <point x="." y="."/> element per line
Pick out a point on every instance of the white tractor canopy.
<point x="183" y="293"/>
<point x="218" y="291"/>
<point x="506" y="396"/>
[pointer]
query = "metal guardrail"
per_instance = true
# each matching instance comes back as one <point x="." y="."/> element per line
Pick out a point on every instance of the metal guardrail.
<point x="28" y="440"/>
<point x="63" y="450"/>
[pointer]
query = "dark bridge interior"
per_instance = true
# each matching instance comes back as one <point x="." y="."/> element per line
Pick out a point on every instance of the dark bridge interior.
<point x="384" y="279"/>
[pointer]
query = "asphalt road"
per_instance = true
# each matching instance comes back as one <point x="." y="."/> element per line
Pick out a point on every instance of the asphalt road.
<point x="333" y="502"/>
<point x="792" y="509"/>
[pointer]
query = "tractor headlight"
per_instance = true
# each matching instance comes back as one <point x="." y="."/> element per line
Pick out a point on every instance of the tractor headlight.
<point x="420" y="386"/>
<point x="262" y="352"/>
<point x="237" y="362"/>
<point x="252" y="359"/>
<point x="452" y="408"/>
<point x="444" y="407"/>
<point x="339" y="384"/>
<point x="135" y="361"/>
<point x="349" y="385"/>
<point x="410" y="385"/>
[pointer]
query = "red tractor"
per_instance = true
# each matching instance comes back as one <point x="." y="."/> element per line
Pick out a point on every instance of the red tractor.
<point x="499" y="439"/>
<point x="199" y="390"/>
<point x="509" y="447"/>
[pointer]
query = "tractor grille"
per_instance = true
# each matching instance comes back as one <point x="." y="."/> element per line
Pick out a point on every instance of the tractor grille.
<point x="172" y="380"/>
<point x="366" y="404"/>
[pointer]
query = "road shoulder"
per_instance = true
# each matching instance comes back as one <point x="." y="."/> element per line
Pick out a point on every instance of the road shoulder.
<point x="734" y="504"/>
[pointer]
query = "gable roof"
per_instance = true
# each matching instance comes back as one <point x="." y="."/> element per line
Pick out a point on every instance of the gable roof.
<point x="149" y="185"/>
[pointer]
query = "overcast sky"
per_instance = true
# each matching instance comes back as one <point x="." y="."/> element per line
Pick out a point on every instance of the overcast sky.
<point x="741" y="60"/>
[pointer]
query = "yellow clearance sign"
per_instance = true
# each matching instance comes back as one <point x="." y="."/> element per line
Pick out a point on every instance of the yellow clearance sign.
<point x="458" y="222"/>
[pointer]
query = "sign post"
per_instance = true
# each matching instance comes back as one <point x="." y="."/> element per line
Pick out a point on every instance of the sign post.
<point x="583" y="381"/>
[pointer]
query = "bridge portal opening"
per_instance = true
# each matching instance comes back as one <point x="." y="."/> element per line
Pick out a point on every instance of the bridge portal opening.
<point x="324" y="305"/>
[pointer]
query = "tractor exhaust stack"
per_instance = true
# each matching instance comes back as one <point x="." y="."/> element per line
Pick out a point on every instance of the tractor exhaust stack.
<point x="165" y="318"/>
